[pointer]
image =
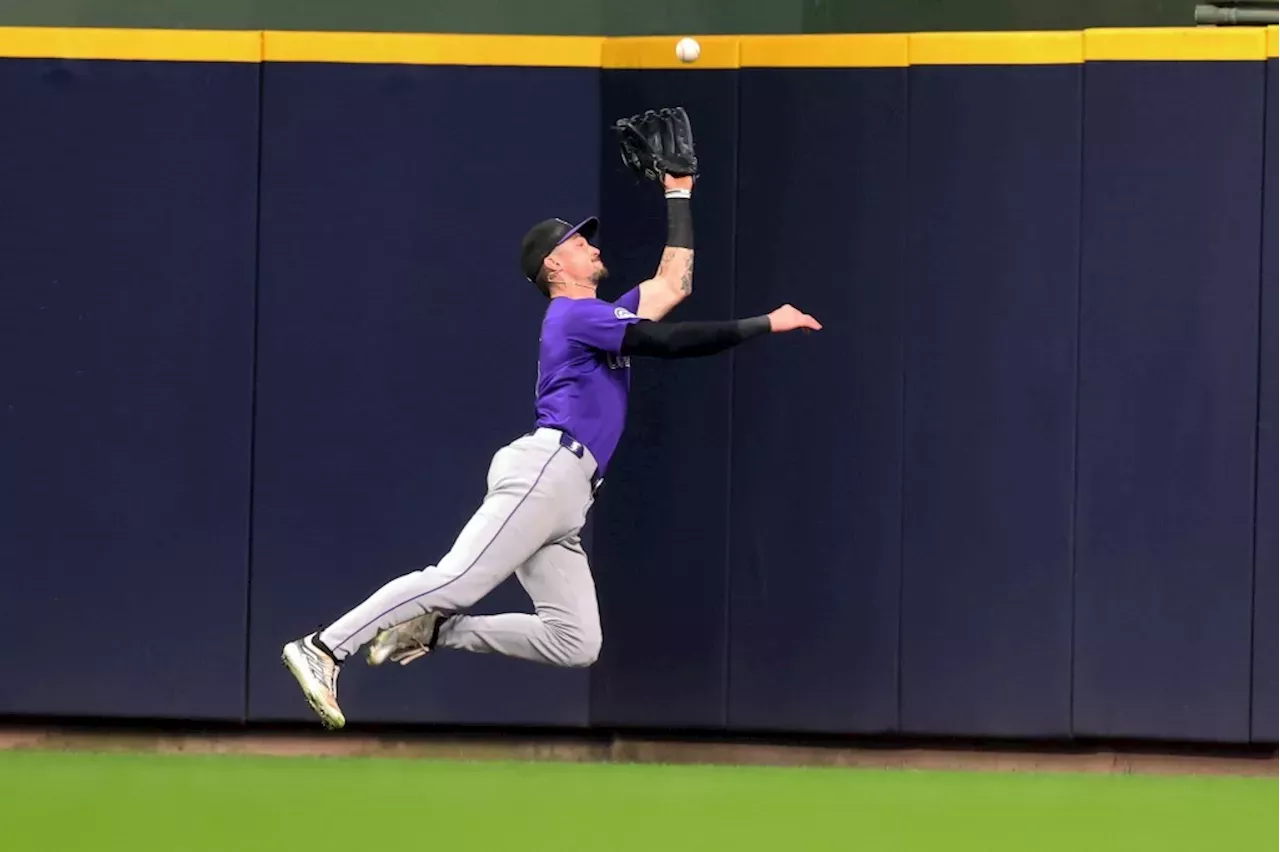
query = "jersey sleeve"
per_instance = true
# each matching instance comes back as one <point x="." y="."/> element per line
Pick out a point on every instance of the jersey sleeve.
<point x="599" y="325"/>
<point x="630" y="299"/>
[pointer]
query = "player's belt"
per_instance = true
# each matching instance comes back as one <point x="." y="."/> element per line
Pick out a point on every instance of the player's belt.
<point x="576" y="447"/>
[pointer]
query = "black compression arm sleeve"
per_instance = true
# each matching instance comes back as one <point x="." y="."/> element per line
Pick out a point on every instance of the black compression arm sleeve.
<point x="690" y="339"/>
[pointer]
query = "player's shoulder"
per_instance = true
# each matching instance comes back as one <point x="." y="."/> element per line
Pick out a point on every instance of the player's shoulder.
<point x="630" y="299"/>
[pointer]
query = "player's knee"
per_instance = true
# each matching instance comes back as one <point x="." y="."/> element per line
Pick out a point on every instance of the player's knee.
<point x="589" y="649"/>
<point x="579" y="645"/>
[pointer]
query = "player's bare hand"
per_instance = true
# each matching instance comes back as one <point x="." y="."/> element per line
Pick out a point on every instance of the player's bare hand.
<point x="787" y="318"/>
<point x="669" y="182"/>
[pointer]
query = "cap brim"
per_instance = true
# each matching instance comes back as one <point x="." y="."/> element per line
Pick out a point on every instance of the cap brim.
<point x="587" y="227"/>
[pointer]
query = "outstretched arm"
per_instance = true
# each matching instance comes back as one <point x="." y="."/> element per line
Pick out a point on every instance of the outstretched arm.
<point x="694" y="339"/>
<point x="674" y="279"/>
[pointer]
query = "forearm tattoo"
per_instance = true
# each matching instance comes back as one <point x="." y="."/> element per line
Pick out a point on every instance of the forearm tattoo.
<point x="677" y="265"/>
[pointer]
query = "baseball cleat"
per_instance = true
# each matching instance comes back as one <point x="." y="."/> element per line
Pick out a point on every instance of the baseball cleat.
<point x="317" y="674"/>
<point x="407" y="641"/>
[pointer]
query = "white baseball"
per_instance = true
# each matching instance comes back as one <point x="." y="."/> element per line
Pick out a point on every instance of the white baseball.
<point x="687" y="50"/>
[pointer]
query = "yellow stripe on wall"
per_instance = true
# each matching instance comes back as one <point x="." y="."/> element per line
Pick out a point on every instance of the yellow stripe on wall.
<point x="660" y="52"/>
<point x="825" y="51"/>
<point x="432" y="49"/>
<point x="855" y="50"/>
<point x="1023" y="48"/>
<point x="1175" y="44"/>
<point x="161" y="45"/>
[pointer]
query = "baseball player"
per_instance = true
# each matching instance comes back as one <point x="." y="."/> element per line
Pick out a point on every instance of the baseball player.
<point x="541" y="486"/>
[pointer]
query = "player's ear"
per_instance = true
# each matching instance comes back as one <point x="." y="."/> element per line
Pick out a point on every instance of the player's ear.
<point x="551" y="264"/>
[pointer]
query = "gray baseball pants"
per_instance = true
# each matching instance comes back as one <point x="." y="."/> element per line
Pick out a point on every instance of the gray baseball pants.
<point x="539" y="492"/>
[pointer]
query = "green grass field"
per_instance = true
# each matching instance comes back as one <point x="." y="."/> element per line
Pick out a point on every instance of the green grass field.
<point x="65" y="801"/>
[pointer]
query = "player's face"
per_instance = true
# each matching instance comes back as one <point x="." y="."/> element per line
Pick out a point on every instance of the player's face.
<point x="580" y="260"/>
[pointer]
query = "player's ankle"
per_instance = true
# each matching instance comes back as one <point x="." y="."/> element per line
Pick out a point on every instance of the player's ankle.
<point x="319" y="642"/>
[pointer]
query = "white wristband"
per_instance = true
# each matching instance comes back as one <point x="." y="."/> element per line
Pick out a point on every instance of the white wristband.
<point x="678" y="193"/>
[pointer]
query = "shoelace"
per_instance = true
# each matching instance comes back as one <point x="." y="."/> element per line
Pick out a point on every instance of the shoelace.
<point x="408" y="654"/>
<point x="411" y="641"/>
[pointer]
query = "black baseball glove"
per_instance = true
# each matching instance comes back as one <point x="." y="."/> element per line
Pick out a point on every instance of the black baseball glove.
<point x="654" y="143"/>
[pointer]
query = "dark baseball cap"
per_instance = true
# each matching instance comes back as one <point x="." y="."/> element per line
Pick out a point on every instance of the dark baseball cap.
<point x="543" y="237"/>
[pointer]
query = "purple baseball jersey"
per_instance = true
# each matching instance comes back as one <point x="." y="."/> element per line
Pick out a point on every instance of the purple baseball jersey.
<point x="583" y="381"/>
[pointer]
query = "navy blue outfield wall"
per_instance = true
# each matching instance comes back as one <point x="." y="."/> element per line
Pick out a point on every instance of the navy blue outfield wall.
<point x="1266" y="557"/>
<point x="1168" y="399"/>
<point x="263" y="330"/>
<point x="990" y="406"/>
<point x="128" y="219"/>
<point x="814" y="537"/>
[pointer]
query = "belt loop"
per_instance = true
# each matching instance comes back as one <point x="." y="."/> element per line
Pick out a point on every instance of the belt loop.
<point x="576" y="447"/>
<point x="571" y="443"/>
